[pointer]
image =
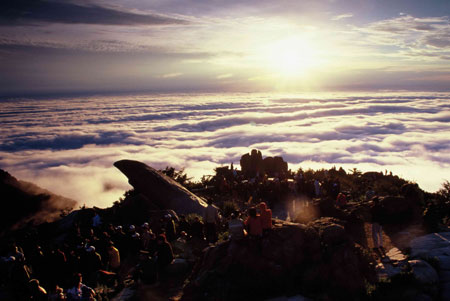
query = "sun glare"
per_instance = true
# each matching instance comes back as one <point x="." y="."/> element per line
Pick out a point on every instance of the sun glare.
<point x="291" y="57"/>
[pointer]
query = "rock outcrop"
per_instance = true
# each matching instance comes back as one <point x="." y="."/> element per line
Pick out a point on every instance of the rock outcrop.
<point x="424" y="275"/>
<point x="319" y="259"/>
<point x="435" y="247"/>
<point x="160" y="189"/>
<point x="28" y="203"/>
<point x="253" y="163"/>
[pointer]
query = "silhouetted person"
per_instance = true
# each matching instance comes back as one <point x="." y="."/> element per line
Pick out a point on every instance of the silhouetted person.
<point x="80" y="291"/>
<point x="377" y="218"/>
<point x="96" y="221"/>
<point x="20" y="276"/>
<point x="146" y="269"/>
<point x="113" y="258"/>
<point x="120" y="240"/>
<point x="341" y="200"/>
<point x="236" y="227"/>
<point x="370" y="193"/>
<point x="197" y="229"/>
<point x="93" y="263"/>
<point x="211" y="218"/>
<point x="183" y="225"/>
<point x="37" y="292"/>
<point x="170" y="227"/>
<point x="253" y="223"/>
<point x="57" y="294"/>
<point x="164" y="253"/>
<point x="317" y="188"/>
<point x="145" y="236"/>
<point x="266" y="217"/>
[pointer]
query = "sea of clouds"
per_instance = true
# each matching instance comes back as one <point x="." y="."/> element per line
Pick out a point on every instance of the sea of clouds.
<point x="68" y="145"/>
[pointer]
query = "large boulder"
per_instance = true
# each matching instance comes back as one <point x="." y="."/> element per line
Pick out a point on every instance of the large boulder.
<point x="423" y="271"/>
<point x="435" y="247"/>
<point x="253" y="163"/>
<point x="319" y="259"/>
<point x="158" y="188"/>
<point x="431" y="245"/>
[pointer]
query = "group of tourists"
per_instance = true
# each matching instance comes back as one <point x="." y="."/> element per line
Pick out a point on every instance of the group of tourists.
<point x="106" y="255"/>
<point x="89" y="259"/>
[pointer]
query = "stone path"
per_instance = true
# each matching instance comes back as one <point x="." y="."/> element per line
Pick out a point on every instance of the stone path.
<point x="392" y="265"/>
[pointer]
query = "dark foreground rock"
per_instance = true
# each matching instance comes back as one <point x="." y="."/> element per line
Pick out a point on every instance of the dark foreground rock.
<point x="159" y="189"/>
<point x="24" y="203"/>
<point x="435" y="248"/>
<point x="319" y="260"/>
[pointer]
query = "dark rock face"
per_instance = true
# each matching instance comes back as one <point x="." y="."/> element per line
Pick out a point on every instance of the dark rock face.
<point x="315" y="260"/>
<point x="159" y="189"/>
<point x="23" y="202"/>
<point x="253" y="163"/>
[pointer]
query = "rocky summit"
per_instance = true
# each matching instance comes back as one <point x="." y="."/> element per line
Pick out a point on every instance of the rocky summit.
<point x="172" y="246"/>
<point x="159" y="189"/>
<point x="318" y="259"/>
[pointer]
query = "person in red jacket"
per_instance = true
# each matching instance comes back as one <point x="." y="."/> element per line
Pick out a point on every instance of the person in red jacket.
<point x="266" y="217"/>
<point x="341" y="200"/>
<point x="253" y="223"/>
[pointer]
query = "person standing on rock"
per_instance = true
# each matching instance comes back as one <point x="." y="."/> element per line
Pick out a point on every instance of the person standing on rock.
<point x="113" y="258"/>
<point x="254" y="229"/>
<point x="236" y="227"/>
<point x="183" y="225"/>
<point x="170" y="227"/>
<point x="253" y="224"/>
<point x="164" y="254"/>
<point x="370" y="193"/>
<point x="210" y="218"/>
<point x="266" y="217"/>
<point x="341" y="200"/>
<point x="377" y="216"/>
<point x="317" y="188"/>
<point x="197" y="229"/>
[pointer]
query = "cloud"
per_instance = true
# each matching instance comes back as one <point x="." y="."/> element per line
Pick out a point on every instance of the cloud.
<point x="29" y="12"/>
<point x="340" y="17"/>
<point x="412" y="36"/>
<point x="64" y="141"/>
<point x="224" y="76"/>
<point x="53" y="142"/>
<point x="171" y="75"/>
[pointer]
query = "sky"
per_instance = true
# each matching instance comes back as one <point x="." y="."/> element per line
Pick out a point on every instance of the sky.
<point x="78" y="46"/>
<point x="198" y="83"/>
<point x="68" y="145"/>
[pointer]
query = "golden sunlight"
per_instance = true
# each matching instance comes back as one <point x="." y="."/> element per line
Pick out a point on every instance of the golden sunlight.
<point x="291" y="57"/>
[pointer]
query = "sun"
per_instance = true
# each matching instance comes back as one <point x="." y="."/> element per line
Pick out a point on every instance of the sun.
<point x="290" y="57"/>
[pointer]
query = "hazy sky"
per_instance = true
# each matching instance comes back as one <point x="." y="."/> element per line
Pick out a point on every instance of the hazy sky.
<point x="214" y="45"/>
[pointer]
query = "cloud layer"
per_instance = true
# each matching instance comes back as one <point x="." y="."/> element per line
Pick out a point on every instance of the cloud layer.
<point x="69" y="145"/>
<point x="30" y="12"/>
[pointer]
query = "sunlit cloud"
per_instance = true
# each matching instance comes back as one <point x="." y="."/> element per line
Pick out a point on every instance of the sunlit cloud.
<point x="77" y="141"/>
<point x="414" y="37"/>
<point x="340" y="17"/>
<point x="300" y="47"/>
<point x="171" y="75"/>
<point x="29" y="12"/>
<point x="223" y="76"/>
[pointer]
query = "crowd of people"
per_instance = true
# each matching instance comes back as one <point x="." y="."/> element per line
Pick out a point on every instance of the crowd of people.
<point x="91" y="261"/>
<point x="97" y="258"/>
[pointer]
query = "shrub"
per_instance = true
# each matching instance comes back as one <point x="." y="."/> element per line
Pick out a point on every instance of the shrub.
<point x="228" y="208"/>
<point x="190" y="218"/>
